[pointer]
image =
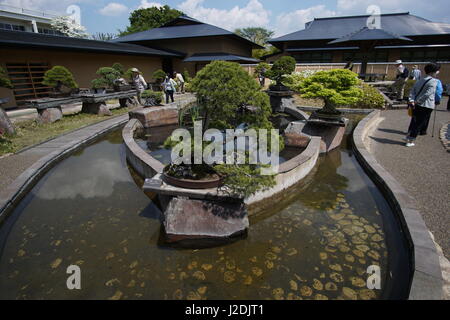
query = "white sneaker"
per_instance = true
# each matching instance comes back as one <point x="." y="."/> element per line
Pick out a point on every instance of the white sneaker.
<point x="410" y="144"/>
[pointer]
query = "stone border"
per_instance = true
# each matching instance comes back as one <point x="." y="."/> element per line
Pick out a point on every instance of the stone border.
<point x="343" y="110"/>
<point x="28" y="179"/>
<point x="445" y="130"/>
<point x="144" y="164"/>
<point x="427" y="281"/>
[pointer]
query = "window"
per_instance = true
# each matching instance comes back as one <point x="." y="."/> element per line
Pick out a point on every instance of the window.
<point x="27" y="79"/>
<point x="314" y="57"/>
<point x="425" y="55"/>
<point x="8" y="26"/>
<point x="374" y="56"/>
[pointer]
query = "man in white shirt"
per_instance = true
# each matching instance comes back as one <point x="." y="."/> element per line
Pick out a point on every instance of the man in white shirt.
<point x="179" y="78"/>
<point x="139" y="83"/>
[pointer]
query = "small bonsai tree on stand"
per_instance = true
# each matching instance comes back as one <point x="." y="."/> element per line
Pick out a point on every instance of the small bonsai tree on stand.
<point x="5" y="124"/>
<point x="108" y="76"/>
<point x="282" y="67"/>
<point x="59" y="77"/>
<point x="338" y="87"/>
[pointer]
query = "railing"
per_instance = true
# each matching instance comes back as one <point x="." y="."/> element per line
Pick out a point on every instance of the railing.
<point x="36" y="13"/>
<point x="388" y="68"/>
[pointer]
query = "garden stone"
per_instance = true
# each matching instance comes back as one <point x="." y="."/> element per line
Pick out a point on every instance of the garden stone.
<point x="194" y="219"/>
<point x="50" y="115"/>
<point x="98" y="108"/>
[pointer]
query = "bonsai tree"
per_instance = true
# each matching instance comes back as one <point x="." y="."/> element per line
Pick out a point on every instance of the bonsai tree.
<point x="262" y="68"/>
<point x="225" y="92"/>
<point x="119" y="68"/>
<point x="107" y="77"/>
<point x="282" y="67"/>
<point x="59" y="76"/>
<point x="5" y="123"/>
<point x="159" y="75"/>
<point x="336" y="87"/>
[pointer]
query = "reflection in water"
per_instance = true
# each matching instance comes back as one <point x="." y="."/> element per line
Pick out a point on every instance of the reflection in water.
<point x="88" y="211"/>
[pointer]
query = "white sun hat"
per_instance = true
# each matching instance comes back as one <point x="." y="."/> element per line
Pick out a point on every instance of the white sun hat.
<point x="398" y="62"/>
<point x="135" y="70"/>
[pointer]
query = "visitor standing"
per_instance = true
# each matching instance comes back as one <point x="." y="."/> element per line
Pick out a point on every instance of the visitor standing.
<point x="422" y="100"/>
<point x="402" y="74"/>
<point x="416" y="74"/>
<point x="437" y="101"/>
<point x="169" y="86"/>
<point x="179" y="78"/>
<point x="139" y="83"/>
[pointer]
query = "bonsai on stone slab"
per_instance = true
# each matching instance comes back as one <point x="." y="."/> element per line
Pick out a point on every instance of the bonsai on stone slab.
<point x="5" y="124"/>
<point x="281" y="68"/>
<point x="337" y="87"/>
<point x="59" y="77"/>
<point x="108" y="76"/>
<point x="225" y="92"/>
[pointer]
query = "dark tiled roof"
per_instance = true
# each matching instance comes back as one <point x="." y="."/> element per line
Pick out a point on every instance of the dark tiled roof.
<point x="193" y="29"/>
<point x="403" y="24"/>
<point x="206" y="57"/>
<point x="369" y="34"/>
<point x="33" y="40"/>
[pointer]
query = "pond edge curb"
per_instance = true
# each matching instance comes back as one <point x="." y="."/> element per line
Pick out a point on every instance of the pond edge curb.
<point x="427" y="280"/>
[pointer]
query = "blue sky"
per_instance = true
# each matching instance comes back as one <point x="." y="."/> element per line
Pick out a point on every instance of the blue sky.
<point x="282" y="16"/>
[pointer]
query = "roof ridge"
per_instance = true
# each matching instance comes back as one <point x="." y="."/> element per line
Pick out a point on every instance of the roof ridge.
<point x="364" y="16"/>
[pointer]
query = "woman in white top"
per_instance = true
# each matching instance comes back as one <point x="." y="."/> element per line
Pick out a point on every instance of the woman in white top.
<point x="139" y="83"/>
<point x="169" y="86"/>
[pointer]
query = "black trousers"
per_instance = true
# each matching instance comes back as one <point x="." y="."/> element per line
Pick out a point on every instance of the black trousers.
<point x="169" y="93"/>
<point x="420" y="118"/>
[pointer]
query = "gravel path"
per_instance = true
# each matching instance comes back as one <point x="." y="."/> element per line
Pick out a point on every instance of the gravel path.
<point x="423" y="170"/>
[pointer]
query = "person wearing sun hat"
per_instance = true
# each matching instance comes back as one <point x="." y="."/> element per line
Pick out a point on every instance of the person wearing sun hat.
<point x="402" y="74"/>
<point x="139" y="83"/>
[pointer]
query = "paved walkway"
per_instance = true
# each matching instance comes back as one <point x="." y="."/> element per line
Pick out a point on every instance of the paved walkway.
<point x="423" y="170"/>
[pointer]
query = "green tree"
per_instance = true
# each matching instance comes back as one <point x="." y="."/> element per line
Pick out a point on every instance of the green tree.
<point x="225" y="92"/>
<point x="282" y="67"/>
<point x="5" y="123"/>
<point x="255" y="34"/>
<point x="59" y="76"/>
<point x="100" y="36"/>
<point x="149" y="18"/>
<point x="262" y="69"/>
<point x="107" y="77"/>
<point x="336" y="87"/>
<point x="4" y="80"/>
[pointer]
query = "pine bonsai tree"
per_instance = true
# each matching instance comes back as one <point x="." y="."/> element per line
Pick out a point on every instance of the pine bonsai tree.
<point x="336" y="87"/>
<point x="159" y="75"/>
<point x="59" y="76"/>
<point x="119" y="68"/>
<point x="282" y="67"/>
<point x="225" y="92"/>
<point x="107" y="77"/>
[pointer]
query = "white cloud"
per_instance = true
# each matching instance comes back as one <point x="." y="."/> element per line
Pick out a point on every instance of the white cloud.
<point x="113" y="9"/>
<point x="252" y="15"/>
<point x="434" y="11"/>
<point x="145" y="4"/>
<point x="295" y="20"/>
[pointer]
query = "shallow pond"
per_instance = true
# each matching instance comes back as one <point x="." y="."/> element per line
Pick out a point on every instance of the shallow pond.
<point x="315" y="244"/>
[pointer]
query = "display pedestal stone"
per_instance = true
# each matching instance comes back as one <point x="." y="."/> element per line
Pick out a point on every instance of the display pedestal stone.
<point x="187" y="219"/>
<point x="280" y="99"/>
<point x="128" y="102"/>
<point x="331" y="130"/>
<point x="98" y="108"/>
<point x="50" y="115"/>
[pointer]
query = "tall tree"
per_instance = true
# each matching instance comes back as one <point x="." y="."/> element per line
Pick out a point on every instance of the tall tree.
<point x="256" y="34"/>
<point x="149" y="18"/>
<point x="68" y="27"/>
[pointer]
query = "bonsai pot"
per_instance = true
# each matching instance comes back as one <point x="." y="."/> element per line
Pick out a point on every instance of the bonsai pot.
<point x="122" y="87"/>
<point x="278" y="87"/>
<point x="59" y="94"/>
<point x="213" y="182"/>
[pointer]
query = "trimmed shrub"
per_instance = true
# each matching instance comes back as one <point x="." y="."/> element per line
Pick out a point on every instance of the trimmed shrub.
<point x="153" y="98"/>
<point x="294" y="80"/>
<point x="107" y="77"/>
<point x="159" y="75"/>
<point x="59" y="76"/>
<point x="370" y="99"/>
<point x="281" y="67"/>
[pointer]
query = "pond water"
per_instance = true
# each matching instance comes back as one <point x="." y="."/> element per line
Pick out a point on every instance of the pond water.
<point x="89" y="211"/>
